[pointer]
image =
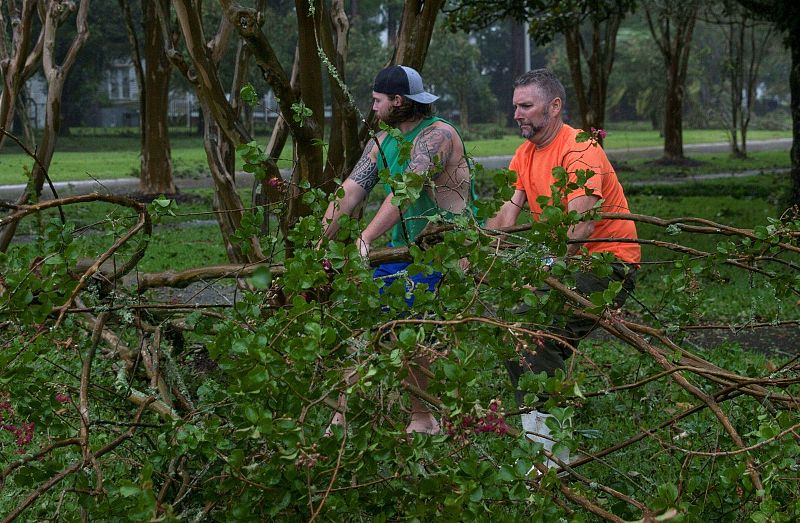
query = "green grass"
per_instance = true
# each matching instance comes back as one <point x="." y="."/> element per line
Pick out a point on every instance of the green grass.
<point x="628" y="139"/>
<point x="619" y="139"/>
<point x="645" y="169"/>
<point x="87" y="156"/>
<point x="728" y="294"/>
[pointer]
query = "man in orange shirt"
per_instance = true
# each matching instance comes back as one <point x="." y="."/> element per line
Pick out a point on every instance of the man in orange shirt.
<point x="538" y="103"/>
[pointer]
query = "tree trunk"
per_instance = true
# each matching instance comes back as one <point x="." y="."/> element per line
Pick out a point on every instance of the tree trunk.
<point x="518" y="36"/>
<point x="227" y="204"/>
<point x="156" y="164"/>
<point x="12" y="64"/>
<point x="222" y="126"/>
<point x="794" y="86"/>
<point x="463" y="110"/>
<point x="268" y="193"/>
<point x="344" y="148"/>
<point x="56" y="75"/>
<point x="310" y="169"/>
<point x="416" y="29"/>
<point x="29" y="137"/>
<point x="573" y="43"/>
<point x="736" y="59"/>
<point x="672" y="32"/>
<point x="673" y="114"/>
<point x="599" y="59"/>
<point x="392" y="21"/>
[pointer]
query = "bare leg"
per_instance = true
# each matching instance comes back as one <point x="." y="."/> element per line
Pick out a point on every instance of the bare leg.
<point x="422" y="419"/>
<point x="338" y="416"/>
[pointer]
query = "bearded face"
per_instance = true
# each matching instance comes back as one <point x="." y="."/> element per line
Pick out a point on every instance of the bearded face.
<point x="395" y="109"/>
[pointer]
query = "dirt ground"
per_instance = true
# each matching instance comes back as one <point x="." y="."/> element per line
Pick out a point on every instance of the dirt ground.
<point x="781" y="340"/>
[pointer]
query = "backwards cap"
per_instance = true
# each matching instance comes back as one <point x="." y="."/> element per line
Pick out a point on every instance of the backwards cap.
<point x="405" y="81"/>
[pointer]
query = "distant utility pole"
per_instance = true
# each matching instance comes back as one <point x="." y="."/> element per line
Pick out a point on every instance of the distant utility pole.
<point x="527" y="46"/>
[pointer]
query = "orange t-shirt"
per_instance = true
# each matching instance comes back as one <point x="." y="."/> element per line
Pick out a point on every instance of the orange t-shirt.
<point x="534" y="176"/>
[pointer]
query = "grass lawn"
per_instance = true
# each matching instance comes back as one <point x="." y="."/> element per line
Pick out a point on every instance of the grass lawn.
<point x="726" y="294"/>
<point x="83" y="157"/>
<point x="620" y="139"/>
<point x="87" y="157"/>
<point x="645" y="169"/>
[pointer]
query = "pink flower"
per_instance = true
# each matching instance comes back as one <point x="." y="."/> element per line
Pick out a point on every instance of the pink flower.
<point x="62" y="398"/>
<point x="326" y="264"/>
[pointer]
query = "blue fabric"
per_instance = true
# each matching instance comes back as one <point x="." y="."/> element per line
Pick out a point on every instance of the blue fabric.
<point x="386" y="272"/>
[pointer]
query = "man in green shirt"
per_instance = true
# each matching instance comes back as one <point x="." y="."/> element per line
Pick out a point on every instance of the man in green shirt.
<point x="437" y="153"/>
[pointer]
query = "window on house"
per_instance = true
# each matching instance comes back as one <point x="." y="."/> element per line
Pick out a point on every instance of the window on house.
<point x="126" y="83"/>
<point x="113" y="85"/>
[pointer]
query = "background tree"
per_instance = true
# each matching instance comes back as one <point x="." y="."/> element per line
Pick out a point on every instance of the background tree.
<point x="785" y="14"/>
<point x="747" y="43"/>
<point x="367" y="55"/>
<point x="153" y="71"/>
<point x="672" y="23"/>
<point x="453" y="68"/>
<point x="590" y="32"/>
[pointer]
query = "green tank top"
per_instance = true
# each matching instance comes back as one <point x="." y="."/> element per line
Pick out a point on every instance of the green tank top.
<point x="415" y="218"/>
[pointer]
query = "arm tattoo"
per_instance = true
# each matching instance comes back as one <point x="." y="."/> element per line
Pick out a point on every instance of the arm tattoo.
<point x="431" y="151"/>
<point x="365" y="173"/>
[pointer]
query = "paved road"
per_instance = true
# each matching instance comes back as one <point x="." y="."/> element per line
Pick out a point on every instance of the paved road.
<point x="123" y="185"/>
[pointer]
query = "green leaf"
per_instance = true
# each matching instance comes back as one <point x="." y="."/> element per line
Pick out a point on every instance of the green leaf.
<point x="261" y="278"/>
<point x="249" y="95"/>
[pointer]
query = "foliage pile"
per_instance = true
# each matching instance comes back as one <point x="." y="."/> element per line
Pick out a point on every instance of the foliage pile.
<point x="121" y="407"/>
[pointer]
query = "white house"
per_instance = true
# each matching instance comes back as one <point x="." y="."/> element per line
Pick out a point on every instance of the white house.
<point x="119" y="101"/>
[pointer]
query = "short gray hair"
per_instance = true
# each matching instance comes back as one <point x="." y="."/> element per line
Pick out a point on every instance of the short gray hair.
<point x="546" y="81"/>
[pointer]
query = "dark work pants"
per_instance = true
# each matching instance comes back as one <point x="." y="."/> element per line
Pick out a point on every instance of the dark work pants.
<point x="549" y="355"/>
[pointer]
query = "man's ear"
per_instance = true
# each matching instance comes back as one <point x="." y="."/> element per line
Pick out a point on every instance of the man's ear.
<point x="555" y="105"/>
<point x="397" y="100"/>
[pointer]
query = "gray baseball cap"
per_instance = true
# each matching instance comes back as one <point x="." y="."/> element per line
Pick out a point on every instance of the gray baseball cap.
<point x="405" y="81"/>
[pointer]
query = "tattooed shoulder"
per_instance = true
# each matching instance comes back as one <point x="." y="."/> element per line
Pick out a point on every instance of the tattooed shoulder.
<point x="365" y="172"/>
<point x="432" y="149"/>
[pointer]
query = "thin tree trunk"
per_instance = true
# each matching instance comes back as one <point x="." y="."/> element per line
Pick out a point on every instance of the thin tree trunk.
<point x="673" y="114"/>
<point x="222" y="126"/>
<point x="12" y="63"/>
<point x="310" y="168"/>
<point x="28" y="136"/>
<point x="572" y="40"/>
<point x="344" y="149"/>
<point x="518" y="36"/>
<point x="156" y="163"/>
<point x="794" y="87"/>
<point x="672" y="32"/>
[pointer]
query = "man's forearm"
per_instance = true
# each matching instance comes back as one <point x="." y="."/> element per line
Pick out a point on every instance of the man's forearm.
<point x="353" y="194"/>
<point x="505" y="217"/>
<point x="387" y="216"/>
<point x="579" y="232"/>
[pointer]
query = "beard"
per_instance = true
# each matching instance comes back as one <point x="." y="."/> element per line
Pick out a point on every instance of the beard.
<point x="397" y="114"/>
<point x="536" y="129"/>
<point x="407" y="111"/>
